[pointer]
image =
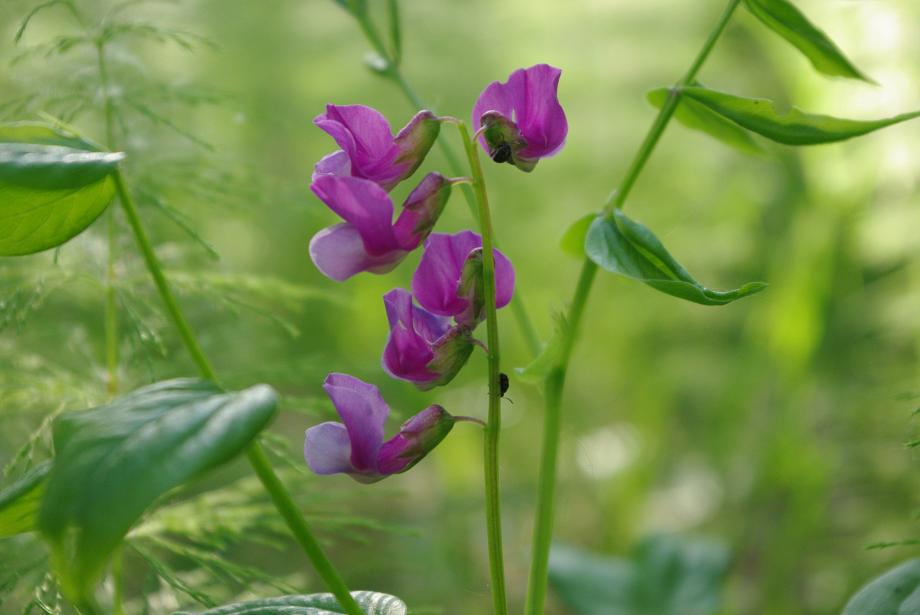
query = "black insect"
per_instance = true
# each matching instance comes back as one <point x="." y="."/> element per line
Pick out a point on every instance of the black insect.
<point x="502" y="153"/>
<point x="503" y="383"/>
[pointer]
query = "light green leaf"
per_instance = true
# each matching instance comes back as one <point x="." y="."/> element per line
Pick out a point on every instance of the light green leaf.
<point x="695" y="116"/>
<point x="112" y="462"/>
<point x="786" y="20"/>
<point x="792" y="128"/>
<point x="573" y="241"/>
<point x="371" y="603"/>
<point x="53" y="185"/>
<point x="897" y="592"/>
<point x="665" y="575"/>
<point x="627" y="248"/>
<point x="19" y="502"/>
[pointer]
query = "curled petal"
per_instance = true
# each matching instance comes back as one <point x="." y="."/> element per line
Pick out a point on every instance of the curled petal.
<point x="364" y="412"/>
<point x="416" y="438"/>
<point x="339" y="253"/>
<point x="362" y="132"/>
<point x="421" y="210"/>
<point x="413" y="333"/>
<point x="327" y="449"/>
<point x="337" y="163"/>
<point x="363" y="204"/>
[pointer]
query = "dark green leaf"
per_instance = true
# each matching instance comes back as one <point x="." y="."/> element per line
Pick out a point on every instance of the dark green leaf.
<point x="665" y="575"/>
<point x="114" y="461"/>
<point x="19" y="502"/>
<point x="371" y="603"/>
<point x="786" y="20"/>
<point x="695" y="116"/>
<point x="53" y="185"/>
<point x="627" y="248"/>
<point x="792" y="128"/>
<point x="573" y="241"/>
<point x="897" y="592"/>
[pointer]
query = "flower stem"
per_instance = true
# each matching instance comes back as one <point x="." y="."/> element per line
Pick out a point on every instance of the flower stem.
<point x="555" y="380"/>
<point x="493" y="425"/>
<point x="280" y="496"/>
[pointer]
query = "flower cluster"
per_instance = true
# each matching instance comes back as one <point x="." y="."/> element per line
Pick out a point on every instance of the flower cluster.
<point x="431" y="327"/>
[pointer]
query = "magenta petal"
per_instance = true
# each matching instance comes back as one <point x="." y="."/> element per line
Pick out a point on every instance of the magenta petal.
<point x="327" y="449"/>
<point x="337" y="163"/>
<point x="504" y="280"/>
<point x="413" y="332"/>
<point x="339" y="253"/>
<point x="364" y="133"/>
<point x="365" y="205"/>
<point x="416" y="438"/>
<point x="421" y="210"/>
<point x="364" y="412"/>
<point x="494" y="98"/>
<point x="538" y="113"/>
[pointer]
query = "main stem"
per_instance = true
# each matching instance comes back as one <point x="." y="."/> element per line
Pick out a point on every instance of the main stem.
<point x="276" y="490"/>
<point x="494" y="423"/>
<point x="555" y="380"/>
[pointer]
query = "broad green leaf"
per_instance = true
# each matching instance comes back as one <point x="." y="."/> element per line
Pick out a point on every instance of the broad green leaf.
<point x="573" y="241"/>
<point x="53" y="185"/>
<point x="786" y="20"/>
<point x="792" y="128"/>
<point x="627" y="248"/>
<point x="665" y="575"/>
<point x="112" y="462"/>
<point x="897" y="592"/>
<point x="695" y="116"/>
<point x="371" y="603"/>
<point x="19" y="502"/>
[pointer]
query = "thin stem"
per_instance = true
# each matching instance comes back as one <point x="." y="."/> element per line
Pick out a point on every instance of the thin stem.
<point x="555" y="381"/>
<point x="276" y="489"/>
<point x="493" y="425"/>
<point x="118" y="582"/>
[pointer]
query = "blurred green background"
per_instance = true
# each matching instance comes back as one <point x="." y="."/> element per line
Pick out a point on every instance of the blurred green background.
<point x="775" y="425"/>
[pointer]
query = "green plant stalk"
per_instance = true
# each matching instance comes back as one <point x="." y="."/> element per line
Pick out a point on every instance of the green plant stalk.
<point x="494" y="423"/>
<point x="394" y="74"/>
<point x="118" y="582"/>
<point x="555" y="380"/>
<point x="273" y="485"/>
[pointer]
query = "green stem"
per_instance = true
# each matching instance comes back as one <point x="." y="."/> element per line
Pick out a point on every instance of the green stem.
<point x="118" y="582"/>
<point x="273" y="485"/>
<point x="394" y="74"/>
<point x="555" y="381"/>
<point x="494" y="423"/>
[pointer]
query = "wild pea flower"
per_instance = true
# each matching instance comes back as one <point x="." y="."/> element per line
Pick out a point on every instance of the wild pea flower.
<point x="369" y="149"/>
<point x="356" y="446"/>
<point x="368" y="240"/>
<point x="423" y="348"/>
<point x="522" y="119"/>
<point x="448" y="281"/>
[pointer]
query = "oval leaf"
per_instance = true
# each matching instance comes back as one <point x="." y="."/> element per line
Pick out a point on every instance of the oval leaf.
<point x="695" y="116"/>
<point x="627" y="248"/>
<point x="897" y="592"/>
<point x="786" y="20"/>
<point x="371" y="603"/>
<point x="793" y="128"/>
<point x="114" y="461"/>
<point x="573" y="240"/>
<point x="19" y="502"/>
<point x="53" y="185"/>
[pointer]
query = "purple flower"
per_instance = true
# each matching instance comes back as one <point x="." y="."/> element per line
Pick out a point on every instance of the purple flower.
<point x="368" y="240"/>
<point x="369" y="149"/>
<point x="448" y="281"/>
<point x="423" y="348"/>
<point x="522" y="118"/>
<point x="356" y="447"/>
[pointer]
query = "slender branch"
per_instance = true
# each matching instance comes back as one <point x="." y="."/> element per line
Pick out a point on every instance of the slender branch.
<point x="494" y="423"/>
<point x="555" y="381"/>
<point x="118" y="582"/>
<point x="276" y="489"/>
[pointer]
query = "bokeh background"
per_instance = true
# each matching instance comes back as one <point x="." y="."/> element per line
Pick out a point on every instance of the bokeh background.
<point x="776" y="425"/>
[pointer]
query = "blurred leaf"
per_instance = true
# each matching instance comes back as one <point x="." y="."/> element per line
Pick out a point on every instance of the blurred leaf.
<point x="786" y="20"/>
<point x="53" y="185"/>
<point x="573" y="240"/>
<point x="537" y="370"/>
<point x="897" y="592"/>
<point x="665" y="575"/>
<point x="695" y="116"/>
<point x="371" y="603"/>
<point x="792" y="128"/>
<point x="114" y="461"/>
<point x="627" y="248"/>
<point x="19" y="502"/>
<point x="395" y="30"/>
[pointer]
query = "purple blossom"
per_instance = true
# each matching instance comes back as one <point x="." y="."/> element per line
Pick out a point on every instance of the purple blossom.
<point x="368" y="240"/>
<point x="522" y="118"/>
<point x="369" y="150"/>
<point x="356" y="446"/>
<point x="423" y="348"/>
<point x="448" y="281"/>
